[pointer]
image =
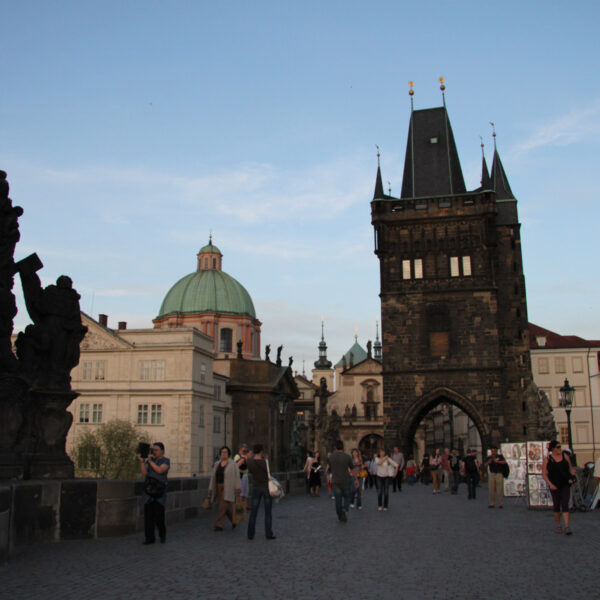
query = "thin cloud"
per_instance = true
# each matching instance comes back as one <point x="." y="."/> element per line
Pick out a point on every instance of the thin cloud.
<point x="579" y="124"/>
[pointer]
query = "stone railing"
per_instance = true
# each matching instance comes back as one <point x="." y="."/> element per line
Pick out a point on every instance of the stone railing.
<point x="32" y="512"/>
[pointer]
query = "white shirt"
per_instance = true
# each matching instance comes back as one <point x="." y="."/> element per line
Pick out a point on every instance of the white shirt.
<point x="386" y="467"/>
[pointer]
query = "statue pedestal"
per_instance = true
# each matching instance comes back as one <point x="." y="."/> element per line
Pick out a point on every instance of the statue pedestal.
<point x="50" y="422"/>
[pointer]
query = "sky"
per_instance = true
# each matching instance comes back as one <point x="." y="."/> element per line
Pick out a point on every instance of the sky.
<point x="131" y="130"/>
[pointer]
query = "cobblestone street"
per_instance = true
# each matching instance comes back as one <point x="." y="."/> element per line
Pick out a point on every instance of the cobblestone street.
<point x="426" y="546"/>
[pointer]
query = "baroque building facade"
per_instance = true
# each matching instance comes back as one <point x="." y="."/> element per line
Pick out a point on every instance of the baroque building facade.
<point x="453" y="302"/>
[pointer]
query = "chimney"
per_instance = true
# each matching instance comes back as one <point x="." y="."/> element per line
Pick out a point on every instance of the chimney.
<point x="103" y="320"/>
<point x="122" y="325"/>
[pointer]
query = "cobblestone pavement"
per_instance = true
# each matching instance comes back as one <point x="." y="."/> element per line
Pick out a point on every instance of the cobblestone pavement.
<point x="425" y="546"/>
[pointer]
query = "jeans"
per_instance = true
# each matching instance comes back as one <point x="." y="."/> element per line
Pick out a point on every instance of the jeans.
<point x="257" y="494"/>
<point x="455" y="480"/>
<point x="357" y="492"/>
<point x="472" y="480"/>
<point x="397" y="481"/>
<point x="343" y="492"/>
<point x="383" y="489"/>
<point x="154" y="515"/>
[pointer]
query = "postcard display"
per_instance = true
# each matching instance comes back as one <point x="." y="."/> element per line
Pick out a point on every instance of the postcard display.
<point x="525" y="460"/>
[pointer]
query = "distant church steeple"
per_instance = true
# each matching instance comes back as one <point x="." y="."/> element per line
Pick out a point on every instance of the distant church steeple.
<point x="323" y="363"/>
<point x="377" y="354"/>
<point x="486" y="182"/>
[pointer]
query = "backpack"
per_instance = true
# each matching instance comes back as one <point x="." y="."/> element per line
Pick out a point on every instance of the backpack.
<point x="505" y="470"/>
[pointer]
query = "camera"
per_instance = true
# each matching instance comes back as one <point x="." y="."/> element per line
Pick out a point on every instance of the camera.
<point x="143" y="449"/>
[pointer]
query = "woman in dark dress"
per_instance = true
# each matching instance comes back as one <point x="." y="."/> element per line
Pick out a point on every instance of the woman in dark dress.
<point x="314" y="479"/>
<point x="558" y="473"/>
<point x="424" y="470"/>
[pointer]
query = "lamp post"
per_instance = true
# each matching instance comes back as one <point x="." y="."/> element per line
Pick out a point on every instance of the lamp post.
<point x="567" y="393"/>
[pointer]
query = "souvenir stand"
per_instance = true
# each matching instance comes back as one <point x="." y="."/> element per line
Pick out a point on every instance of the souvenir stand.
<point x="525" y="481"/>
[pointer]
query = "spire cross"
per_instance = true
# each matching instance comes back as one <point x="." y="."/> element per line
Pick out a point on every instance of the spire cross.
<point x="378" y="155"/>
<point x="356" y="333"/>
<point x="411" y="93"/>
<point x="443" y="89"/>
<point x="493" y="133"/>
<point x="322" y="327"/>
<point x="376" y="329"/>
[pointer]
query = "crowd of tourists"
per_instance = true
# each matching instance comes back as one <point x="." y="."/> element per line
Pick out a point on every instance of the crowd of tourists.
<point x="346" y="477"/>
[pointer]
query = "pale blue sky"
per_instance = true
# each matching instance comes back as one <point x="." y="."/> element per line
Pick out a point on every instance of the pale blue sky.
<point x="129" y="130"/>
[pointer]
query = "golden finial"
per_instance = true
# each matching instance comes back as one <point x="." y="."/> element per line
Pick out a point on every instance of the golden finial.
<point x="482" y="146"/>
<point x="493" y="129"/>
<point x="356" y="333"/>
<point x="378" y="154"/>
<point x="442" y="86"/>
<point x="411" y="92"/>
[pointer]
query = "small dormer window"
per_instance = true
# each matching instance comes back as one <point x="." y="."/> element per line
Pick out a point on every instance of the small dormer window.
<point x="433" y="140"/>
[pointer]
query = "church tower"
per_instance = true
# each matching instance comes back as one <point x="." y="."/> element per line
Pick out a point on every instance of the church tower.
<point x="453" y="304"/>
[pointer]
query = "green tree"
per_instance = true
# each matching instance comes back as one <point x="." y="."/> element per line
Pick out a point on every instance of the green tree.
<point x="109" y="451"/>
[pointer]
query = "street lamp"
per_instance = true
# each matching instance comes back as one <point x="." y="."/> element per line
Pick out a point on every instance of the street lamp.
<point x="567" y="394"/>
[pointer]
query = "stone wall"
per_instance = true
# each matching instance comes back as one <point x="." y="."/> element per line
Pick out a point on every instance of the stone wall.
<point x="33" y="512"/>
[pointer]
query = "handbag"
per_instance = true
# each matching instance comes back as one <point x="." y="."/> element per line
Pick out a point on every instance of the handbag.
<point x="275" y="488"/>
<point x="154" y="487"/>
<point x="208" y="502"/>
<point x="362" y="473"/>
<point x="240" y="512"/>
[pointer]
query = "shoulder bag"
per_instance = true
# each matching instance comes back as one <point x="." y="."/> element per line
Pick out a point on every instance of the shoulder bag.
<point x="275" y="488"/>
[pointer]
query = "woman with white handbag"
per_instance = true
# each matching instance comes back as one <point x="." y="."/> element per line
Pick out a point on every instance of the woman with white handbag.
<point x="259" y="469"/>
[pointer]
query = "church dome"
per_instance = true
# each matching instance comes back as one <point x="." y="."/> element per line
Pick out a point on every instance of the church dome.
<point x="209" y="291"/>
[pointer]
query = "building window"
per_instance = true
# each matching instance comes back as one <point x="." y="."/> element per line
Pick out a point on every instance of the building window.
<point x="217" y="392"/>
<point x="543" y="366"/>
<point x="577" y="364"/>
<point x="214" y="263"/>
<point x="201" y="416"/>
<point x="559" y="364"/>
<point x="142" y="417"/>
<point x="226" y="340"/>
<point x="581" y="433"/>
<point x="216" y="424"/>
<point x="466" y="265"/>
<point x="203" y="373"/>
<point x="454" y="272"/>
<point x="84" y="413"/>
<point x="97" y="413"/>
<point x="580" y="397"/>
<point x="206" y="263"/>
<point x="100" y="370"/>
<point x="444" y="203"/>
<point x="564" y="434"/>
<point x="156" y="414"/>
<point x="152" y="370"/>
<point x="418" y="265"/>
<point x="406" y="269"/>
<point x="86" y="370"/>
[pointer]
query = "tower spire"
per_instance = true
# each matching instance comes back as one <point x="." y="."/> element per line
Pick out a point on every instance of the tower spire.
<point x="323" y="363"/>
<point x="377" y="345"/>
<point x="378" y="182"/>
<point x="443" y="90"/>
<point x="411" y="93"/>
<point x="486" y="183"/>
<point x="499" y="181"/>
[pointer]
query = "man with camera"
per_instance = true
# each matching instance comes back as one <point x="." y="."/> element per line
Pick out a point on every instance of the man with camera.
<point x="154" y="465"/>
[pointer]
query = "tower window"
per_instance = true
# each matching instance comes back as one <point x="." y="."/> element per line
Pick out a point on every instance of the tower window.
<point x="418" y="266"/>
<point x="466" y="265"/>
<point x="454" y="272"/>
<point x="406" y="269"/>
<point x="214" y="263"/>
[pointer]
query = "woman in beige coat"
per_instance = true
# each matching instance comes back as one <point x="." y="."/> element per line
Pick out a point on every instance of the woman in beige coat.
<point x="224" y="487"/>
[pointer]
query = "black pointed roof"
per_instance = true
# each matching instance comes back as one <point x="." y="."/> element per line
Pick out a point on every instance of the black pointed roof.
<point x="499" y="180"/>
<point x="431" y="166"/>
<point x="486" y="182"/>
<point x="379" y="193"/>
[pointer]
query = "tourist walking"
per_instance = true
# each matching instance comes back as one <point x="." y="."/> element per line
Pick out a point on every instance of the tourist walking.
<point x="496" y="465"/>
<point x="372" y="468"/>
<point x="358" y="471"/>
<point x="434" y="466"/>
<point x="471" y="465"/>
<point x="558" y="473"/>
<point x="387" y="469"/>
<point x="155" y="467"/>
<point x="257" y="467"/>
<point x="340" y="465"/>
<point x="306" y="469"/>
<point x="455" y="468"/>
<point x="314" y="478"/>
<point x="411" y="472"/>
<point x="224" y="487"/>
<point x="445" y="470"/>
<point x="398" y="458"/>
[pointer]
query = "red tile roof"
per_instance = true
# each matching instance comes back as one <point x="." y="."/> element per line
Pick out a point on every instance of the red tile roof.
<point x="555" y="340"/>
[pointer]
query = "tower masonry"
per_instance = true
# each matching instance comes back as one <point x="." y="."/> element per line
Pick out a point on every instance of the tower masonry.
<point x="453" y="303"/>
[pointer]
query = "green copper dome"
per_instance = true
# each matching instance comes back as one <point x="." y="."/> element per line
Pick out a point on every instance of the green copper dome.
<point x="208" y="291"/>
<point x="210" y="247"/>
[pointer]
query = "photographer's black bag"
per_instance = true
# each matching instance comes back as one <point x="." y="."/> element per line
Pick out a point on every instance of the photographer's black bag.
<point x="154" y="488"/>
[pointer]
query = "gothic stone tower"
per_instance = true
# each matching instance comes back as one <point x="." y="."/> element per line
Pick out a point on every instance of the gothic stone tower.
<point x="453" y="305"/>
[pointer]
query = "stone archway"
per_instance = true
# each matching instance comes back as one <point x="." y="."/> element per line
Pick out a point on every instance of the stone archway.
<point x="370" y="444"/>
<point x="423" y="405"/>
